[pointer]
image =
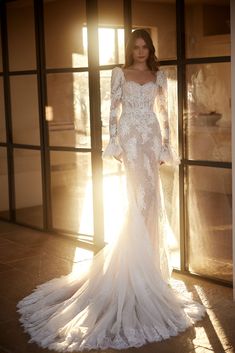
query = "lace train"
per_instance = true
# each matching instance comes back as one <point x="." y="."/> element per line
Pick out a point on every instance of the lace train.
<point x="121" y="301"/>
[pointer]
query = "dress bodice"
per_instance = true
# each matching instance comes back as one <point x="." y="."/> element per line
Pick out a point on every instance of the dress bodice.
<point x="138" y="98"/>
<point x="145" y="108"/>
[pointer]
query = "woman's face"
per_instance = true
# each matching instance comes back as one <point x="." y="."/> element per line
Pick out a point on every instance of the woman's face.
<point x="140" y="51"/>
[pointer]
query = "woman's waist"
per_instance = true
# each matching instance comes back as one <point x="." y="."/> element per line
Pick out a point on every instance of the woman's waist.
<point x="137" y="111"/>
<point x="140" y="117"/>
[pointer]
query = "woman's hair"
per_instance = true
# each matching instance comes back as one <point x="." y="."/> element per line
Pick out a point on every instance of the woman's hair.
<point x="152" y="61"/>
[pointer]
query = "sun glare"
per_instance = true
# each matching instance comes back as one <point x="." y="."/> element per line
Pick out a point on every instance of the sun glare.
<point x="221" y="334"/>
<point x="106" y="45"/>
<point x="81" y="261"/>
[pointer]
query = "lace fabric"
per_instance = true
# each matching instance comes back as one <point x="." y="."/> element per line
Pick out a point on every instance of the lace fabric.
<point x="132" y="107"/>
<point x="123" y="299"/>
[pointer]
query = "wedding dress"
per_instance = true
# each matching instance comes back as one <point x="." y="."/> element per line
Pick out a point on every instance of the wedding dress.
<point x="124" y="298"/>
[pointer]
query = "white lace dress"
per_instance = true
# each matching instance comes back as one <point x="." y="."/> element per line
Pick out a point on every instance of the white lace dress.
<point x="123" y="299"/>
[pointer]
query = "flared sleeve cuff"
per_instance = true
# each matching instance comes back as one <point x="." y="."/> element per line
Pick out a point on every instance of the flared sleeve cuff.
<point x="169" y="156"/>
<point x="113" y="149"/>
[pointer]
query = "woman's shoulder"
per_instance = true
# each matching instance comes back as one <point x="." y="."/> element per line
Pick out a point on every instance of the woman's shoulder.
<point x="117" y="73"/>
<point x="117" y="70"/>
<point x="161" y="77"/>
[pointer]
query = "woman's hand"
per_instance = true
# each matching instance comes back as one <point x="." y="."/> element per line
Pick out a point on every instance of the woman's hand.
<point x="118" y="158"/>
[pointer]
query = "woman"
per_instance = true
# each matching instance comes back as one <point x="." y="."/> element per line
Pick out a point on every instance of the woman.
<point x="124" y="299"/>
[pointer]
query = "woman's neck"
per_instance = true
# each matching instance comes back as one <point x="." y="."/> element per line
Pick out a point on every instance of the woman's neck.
<point x="139" y="67"/>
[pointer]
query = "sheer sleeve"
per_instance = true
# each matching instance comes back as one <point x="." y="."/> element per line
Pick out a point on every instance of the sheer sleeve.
<point x="113" y="148"/>
<point x="168" y="153"/>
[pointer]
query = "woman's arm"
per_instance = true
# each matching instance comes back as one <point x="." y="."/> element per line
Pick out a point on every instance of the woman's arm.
<point x="113" y="148"/>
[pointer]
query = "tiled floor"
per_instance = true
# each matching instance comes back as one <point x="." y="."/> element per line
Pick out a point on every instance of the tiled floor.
<point x="28" y="258"/>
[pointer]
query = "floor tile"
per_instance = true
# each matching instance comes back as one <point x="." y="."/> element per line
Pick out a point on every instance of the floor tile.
<point x="43" y="267"/>
<point x="26" y="237"/>
<point x="13" y="338"/>
<point x="15" y="284"/>
<point x="4" y="267"/>
<point x="7" y="227"/>
<point x="7" y="309"/>
<point x="11" y="252"/>
<point x="62" y="248"/>
<point x="3" y="241"/>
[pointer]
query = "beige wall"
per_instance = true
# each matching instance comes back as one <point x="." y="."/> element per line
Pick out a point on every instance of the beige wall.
<point x="198" y="44"/>
<point x="110" y="13"/>
<point x="63" y="31"/>
<point x="21" y="37"/>
<point x="161" y="18"/>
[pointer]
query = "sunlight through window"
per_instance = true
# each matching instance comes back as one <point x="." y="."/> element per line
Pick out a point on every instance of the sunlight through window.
<point x="81" y="261"/>
<point x="80" y="60"/>
<point x="217" y="326"/>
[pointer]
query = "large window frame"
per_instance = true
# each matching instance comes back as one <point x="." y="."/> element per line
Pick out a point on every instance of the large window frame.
<point x="93" y="70"/>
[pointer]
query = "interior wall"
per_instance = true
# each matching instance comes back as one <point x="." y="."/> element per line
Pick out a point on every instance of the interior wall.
<point x="199" y="43"/>
<point x="110" y="14"/>
<point x="63" y="31"/>
<point x="233" y="126"/>
<point x="216" y="96"/>
<point x="162" y="18"/>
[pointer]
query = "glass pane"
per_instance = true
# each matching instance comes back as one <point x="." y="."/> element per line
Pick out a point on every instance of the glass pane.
<point x="111" y="32"/>
<point x="170" y="185"/>
<point x="2" y="113"/>
<point x="171" y="73"/>
<point x="169" y="175"/>
<point x="208" y="117"/>
<point x="24" y="100"/>
<point x="21" y="35"/>
<point x="28" y="187"/>
<point x="210" y="221"/>
<point x="65" y="33"/>
<point x="207" y="26"/>
<point x="71" y="192"/>
<point x="4" y="199"/>
<point x="160" y="20"/>
<point x="121" y="46"/>
<point x="68" y="107"/>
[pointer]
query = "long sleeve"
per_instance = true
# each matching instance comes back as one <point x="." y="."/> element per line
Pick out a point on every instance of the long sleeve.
<point x="168" y="153"/>
<point x="113" y="148"/>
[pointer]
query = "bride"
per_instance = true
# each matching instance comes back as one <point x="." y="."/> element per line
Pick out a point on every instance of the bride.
<point x="124" y="298"/>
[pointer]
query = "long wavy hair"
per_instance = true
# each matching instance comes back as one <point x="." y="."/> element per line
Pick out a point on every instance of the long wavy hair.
<point x="152" y="61"/>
